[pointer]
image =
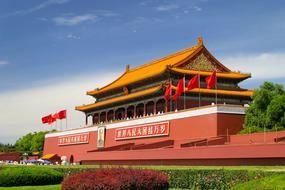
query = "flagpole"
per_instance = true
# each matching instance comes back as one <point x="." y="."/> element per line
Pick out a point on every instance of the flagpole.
<point x="216" y="87"/>
<point x="170" y="100"/>
<point x="184" y="92"/>
<point x="199" y="89"/>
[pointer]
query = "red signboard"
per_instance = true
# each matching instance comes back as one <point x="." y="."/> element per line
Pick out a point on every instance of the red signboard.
<point x="79" y="138"/>
<point x="141" y="131"/>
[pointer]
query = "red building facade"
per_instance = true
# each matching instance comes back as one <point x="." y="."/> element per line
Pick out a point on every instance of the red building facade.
<point x="132" y="123"/>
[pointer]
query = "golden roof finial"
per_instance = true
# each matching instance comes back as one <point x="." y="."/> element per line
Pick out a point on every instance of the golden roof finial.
<point x="200" y="40"/>
<point x="127" y="68"/>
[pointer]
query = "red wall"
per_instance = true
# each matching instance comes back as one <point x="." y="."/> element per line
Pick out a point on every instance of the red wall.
<point x="229" y="124"/>
<point x="181" y="130"/>
<point x="257" y="138"/>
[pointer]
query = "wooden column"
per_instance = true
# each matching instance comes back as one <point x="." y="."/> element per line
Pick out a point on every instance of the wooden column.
<point x="126" y="112"/>
<point x="86" y="119"/>
<point x="166" y="106"/>
<point x="144" y="109"/>
<point x="135" y="111"/>
<point x="154" y="107"/>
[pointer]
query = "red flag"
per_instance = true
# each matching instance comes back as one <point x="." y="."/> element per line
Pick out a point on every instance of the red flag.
<point x="211" y="80"/>
<point x="62" y="114"/>
<point x="55" y="116"/>
<point x="51" y="120"/>
<point x="194" y="82"/>
<point x="167" y="91"/>
<point x="46" y="119"/>
<point x="179" y="89"/>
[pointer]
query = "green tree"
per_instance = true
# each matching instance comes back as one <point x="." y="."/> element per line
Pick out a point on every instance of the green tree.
<point x="32" y="142"/>
<point x="37" y="144"/>
<point x="266" y="109"/>
<point x="24" y="143"/>
<point x="6" y="147"/>
<point x="276" y="112"/>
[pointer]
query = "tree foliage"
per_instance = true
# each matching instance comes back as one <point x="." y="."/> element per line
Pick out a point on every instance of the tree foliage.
<point x="32" y="142"/>
<point x="7" y="147"/>
<point x="267" y="110"/>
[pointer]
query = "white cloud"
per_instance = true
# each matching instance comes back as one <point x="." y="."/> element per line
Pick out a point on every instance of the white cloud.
<point x="167" y="7"/>
<point x="3" y="62"/>
<point x="74" y="20"/>
<point x="185" y="11"/>
<point x="37" y="7"/>
<point x="105" y="13"/>
<point x="196" y="8"/>
<point x="72" y="36"/>
<point x="261" y="66"/>
<point x="21" y="110"/>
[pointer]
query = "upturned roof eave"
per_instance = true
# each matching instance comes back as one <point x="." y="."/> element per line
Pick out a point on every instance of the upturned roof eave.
<point x="131" y="96"/>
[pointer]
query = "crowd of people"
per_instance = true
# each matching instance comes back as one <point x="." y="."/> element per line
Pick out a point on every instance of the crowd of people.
<point x="25" y="162"/>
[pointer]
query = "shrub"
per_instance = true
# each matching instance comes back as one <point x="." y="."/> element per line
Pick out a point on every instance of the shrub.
<point x="29" y="175"/>
<point x="116" y="179"/>
<point x="209" y="179"/>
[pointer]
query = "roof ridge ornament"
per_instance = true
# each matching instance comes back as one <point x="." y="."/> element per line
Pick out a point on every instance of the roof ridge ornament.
<point x="127" y="67"/>
<point x="200" y="40"/>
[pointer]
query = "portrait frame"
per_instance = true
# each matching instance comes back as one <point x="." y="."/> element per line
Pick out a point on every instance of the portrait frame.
<point x="101" y="136"/>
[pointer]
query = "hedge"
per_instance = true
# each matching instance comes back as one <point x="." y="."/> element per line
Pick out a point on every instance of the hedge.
<point x="197" y="178"/>
<point x="178" y="178"/>
<point x="117" y="179"/>
<point x="29" y="175"/>
<point x="210" y="179"/>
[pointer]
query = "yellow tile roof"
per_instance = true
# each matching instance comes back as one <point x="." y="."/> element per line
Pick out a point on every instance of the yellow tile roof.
<point x="232" y="75"/>
<point x="48" y="156"/>
<point x="245" y="93"/>
<point x="119" y="99"/>
<point x="149" y="70"/>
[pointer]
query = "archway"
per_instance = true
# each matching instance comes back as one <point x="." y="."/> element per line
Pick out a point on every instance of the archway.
<point x="103" y="117"/>
<point x="130" y="111"/>
<point x="95" y="118"/>
<point x="71" y="160"/>
<point x="160" y="106"/>
<point x="140" y="110"/>
<point x="120" y="113"/>
<point x="110" y="115"/>
<point x="149" y="107"/>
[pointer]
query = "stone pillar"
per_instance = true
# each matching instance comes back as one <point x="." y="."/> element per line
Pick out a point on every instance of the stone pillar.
<point x="144" y="109"/>
<point x="126" y="112"/>
<point x="154" y="107"/>
<point x="135" y="111"/>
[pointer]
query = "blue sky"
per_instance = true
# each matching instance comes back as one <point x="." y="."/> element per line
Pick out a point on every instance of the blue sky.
<point x="55" y="44"/>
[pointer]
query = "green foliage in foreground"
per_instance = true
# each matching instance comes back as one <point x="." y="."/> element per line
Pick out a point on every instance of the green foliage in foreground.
<point x="267" y="110"/>
<point x="21" y="176"/>
<point x="210" y="179"/>
<point x="273" y="182"/>
<point x="190" y="177"/>
<point x="45" y="187"/>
